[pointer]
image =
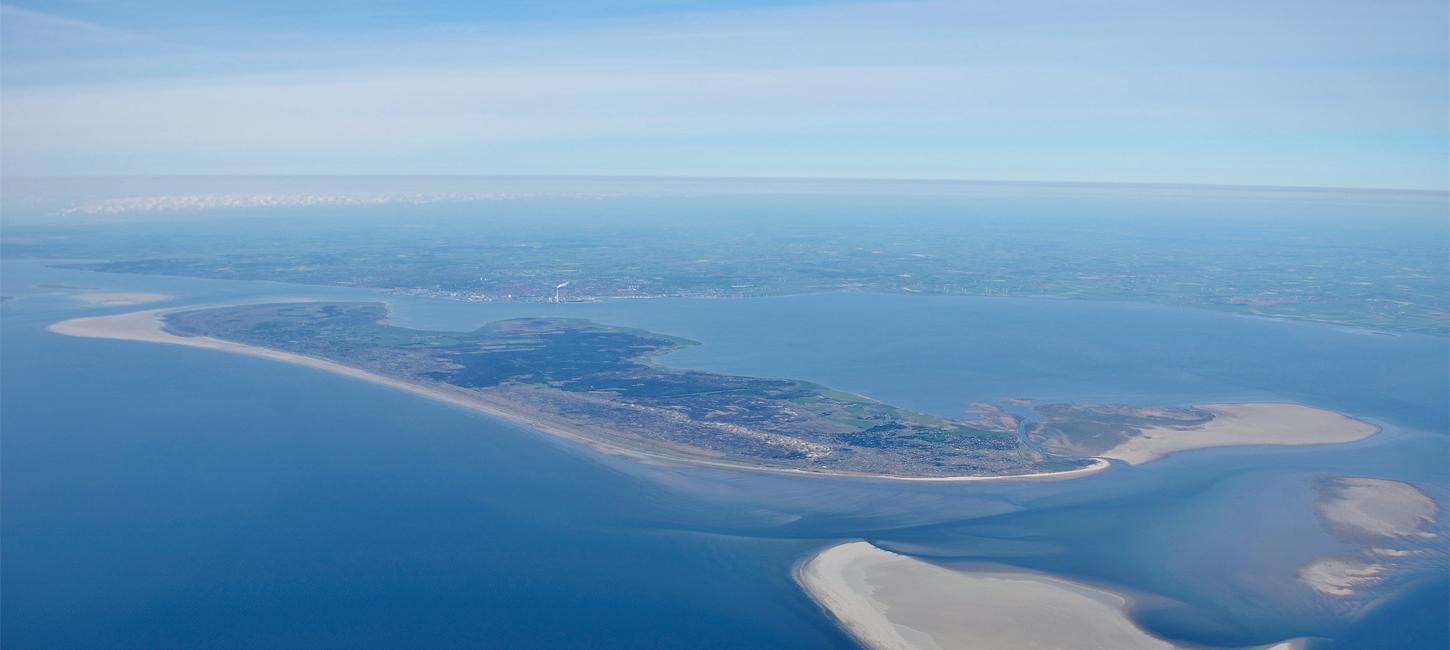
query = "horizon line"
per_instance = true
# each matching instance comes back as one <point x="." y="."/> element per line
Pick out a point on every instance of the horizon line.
<point x="735" y="178"/>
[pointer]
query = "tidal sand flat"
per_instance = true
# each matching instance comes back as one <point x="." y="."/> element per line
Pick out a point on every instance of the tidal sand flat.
<point x="1392" y="521"/>
<point x="1137" y="435"/>
<point x="1375" y="507"/>
<point x="527" y="404"/>
<point x="1340" y="576"/>
<point x="890" y="601"/>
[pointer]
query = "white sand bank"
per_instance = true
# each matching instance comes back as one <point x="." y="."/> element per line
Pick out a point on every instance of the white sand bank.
<point x="1339" y="576"/>
<point x="1376" y="507"/>
<point x="1383" y="515"/>
<point x="1245" y="424"/>
<point x="888" y="601"/>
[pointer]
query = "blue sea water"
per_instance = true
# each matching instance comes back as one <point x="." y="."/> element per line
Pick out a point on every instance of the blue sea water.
<point x="173" y="497"/>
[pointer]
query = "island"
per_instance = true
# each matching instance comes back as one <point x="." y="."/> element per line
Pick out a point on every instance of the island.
<point x="599" y="384"/>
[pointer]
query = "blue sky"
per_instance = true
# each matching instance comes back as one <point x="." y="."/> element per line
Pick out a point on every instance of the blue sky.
<point x="1324" y="93"/>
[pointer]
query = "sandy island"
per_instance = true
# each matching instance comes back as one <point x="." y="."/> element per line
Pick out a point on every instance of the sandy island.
<point x="1244" y="424"/>
<point x="119" y="298"/>
<point x="888" y="601"/>
<point x="148" y="326"/>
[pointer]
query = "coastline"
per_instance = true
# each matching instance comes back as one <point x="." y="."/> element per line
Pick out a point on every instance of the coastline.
<point x="148" y="326"/>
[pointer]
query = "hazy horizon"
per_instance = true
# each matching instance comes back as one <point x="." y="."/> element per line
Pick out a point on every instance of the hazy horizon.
<point x="1052" y="91"/>
<point x="725" y="177"/>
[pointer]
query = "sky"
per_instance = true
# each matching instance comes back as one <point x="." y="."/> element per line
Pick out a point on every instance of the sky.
<point x="1265" y="92"/>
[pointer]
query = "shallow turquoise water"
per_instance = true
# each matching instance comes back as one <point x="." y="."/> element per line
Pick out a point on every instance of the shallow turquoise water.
<point x="159" y="497"/>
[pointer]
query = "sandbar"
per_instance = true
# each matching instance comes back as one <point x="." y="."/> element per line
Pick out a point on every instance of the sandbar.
<point x="1341" y="575"/>
<point x="1269" y="423"/>
<point x="1384" y="516"/>
<point x="888" y="601"/>
<point x="891" y="601"/>
<point x="148" y="326"/>
<point x="1374" y="507"/>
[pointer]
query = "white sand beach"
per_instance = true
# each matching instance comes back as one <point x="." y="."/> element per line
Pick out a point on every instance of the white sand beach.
<point x="1244" y="424"/>
<point x="147" y="326"/>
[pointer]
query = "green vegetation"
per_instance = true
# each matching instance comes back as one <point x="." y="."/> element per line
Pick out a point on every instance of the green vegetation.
<point x="1091" y="429"/>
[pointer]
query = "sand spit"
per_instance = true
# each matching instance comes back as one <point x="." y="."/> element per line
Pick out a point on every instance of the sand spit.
<point x="119" y="298"/>
<point x="888" y="601"/>
<point x="148" y="326"/>
<point x="1244" y="424"/>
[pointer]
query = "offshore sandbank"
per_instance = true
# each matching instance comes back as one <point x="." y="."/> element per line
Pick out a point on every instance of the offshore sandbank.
<point x="1393" y="522"/>
<point x="888" y="601"/>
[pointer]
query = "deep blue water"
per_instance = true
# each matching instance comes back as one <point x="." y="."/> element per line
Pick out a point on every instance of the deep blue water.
<point x="160" y="497"/>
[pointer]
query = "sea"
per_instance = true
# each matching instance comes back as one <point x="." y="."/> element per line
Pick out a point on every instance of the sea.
<point x="167" y="497"/>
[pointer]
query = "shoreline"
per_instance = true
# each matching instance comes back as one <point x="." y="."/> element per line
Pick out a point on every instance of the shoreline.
<point x="147" y="326"/>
